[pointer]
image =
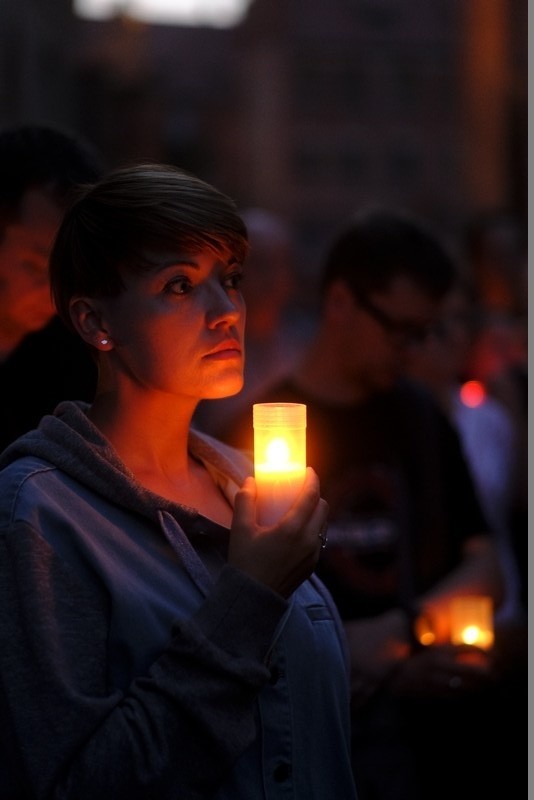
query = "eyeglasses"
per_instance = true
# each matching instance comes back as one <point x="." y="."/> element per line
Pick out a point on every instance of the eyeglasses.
<point x="406" y="333"/>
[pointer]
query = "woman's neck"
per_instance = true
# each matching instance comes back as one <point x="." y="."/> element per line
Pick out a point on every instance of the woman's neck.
<point x="151" y="439"/>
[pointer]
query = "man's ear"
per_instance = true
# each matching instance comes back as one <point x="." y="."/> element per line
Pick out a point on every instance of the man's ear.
<point x="87" y="320"/>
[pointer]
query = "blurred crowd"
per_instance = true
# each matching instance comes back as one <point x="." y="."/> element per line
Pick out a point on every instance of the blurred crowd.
<point x="414" y="370"/>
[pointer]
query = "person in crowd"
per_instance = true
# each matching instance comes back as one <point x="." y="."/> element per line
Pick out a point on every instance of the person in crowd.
<point x="406" y="531"/>
<point x="494" y="245"/>
<point x="41" y="362"/>
<point x="492" y="445"/>
<point x="276" y="330"/>
<point x="487" y="429"/>
<point x="495" y="254"/>
<point x="496" y="259"/>
<point x="155" y="641"/>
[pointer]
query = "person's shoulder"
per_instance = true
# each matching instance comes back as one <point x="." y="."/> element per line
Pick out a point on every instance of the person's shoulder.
<point x="17" y="462"/>
<point x="417" y="410"/>
<point x="490" y="419"/>
<point x="416" y="398"/>
<point x="16" y="481"/>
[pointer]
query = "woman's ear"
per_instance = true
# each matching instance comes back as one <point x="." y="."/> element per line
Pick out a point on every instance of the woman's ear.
<point x="87" y="321"/>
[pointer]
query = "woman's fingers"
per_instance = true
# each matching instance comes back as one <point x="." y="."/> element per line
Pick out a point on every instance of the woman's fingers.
<point x="282" y="555"/>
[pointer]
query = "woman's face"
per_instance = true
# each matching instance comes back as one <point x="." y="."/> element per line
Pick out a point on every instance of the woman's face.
<point x="179" y="329"/>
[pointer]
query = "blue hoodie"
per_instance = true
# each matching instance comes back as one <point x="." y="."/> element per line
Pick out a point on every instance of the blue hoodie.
<point x="134" y="661"/>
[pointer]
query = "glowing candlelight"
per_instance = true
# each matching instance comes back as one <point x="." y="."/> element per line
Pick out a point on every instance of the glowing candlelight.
<point x="279" y="457"/>
<point x="472" y="621"/>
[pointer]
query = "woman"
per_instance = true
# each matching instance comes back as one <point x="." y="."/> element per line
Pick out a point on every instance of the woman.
<point x="154" y="640"/>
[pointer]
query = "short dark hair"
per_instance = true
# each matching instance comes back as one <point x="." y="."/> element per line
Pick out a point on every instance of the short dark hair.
<point x="134" y="211"/>
<point x="379" y="244"/>
<point x="41" y="156"/>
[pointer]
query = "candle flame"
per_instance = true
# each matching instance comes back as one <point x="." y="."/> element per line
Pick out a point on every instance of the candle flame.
<point x="472" y="621"/>
<point x="471" y="634"/>
<point x="277" y="453"/>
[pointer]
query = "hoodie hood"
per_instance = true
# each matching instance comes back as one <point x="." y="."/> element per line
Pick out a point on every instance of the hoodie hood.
<point x="68" y="440"/>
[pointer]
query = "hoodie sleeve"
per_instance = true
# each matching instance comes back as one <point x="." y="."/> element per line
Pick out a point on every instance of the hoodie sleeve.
<point x="175" y="733"/>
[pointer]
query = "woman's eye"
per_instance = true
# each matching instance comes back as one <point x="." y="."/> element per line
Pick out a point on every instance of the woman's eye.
<point x="234" y="280"/>
<point x="181" y="285"/>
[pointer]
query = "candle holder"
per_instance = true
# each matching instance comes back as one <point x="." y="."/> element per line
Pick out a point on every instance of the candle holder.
<point x="471" y="619"/>
<point x="279" y="457"/>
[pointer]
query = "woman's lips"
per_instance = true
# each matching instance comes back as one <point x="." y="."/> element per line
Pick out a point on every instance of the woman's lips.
<point x="228" y="349"/>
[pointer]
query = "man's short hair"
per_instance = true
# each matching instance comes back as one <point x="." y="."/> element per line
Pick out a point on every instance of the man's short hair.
<point x="380" y="244"/>
<point x="43" y="157"/>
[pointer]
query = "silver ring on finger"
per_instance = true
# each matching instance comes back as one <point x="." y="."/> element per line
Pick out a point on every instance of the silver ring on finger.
<point x="323" y="537"/>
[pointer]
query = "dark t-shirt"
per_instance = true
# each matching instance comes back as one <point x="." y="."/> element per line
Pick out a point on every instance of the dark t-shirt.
<point x="401" y="497"/>
<point x="402" y="502"/>
<point x="50" y="365"/>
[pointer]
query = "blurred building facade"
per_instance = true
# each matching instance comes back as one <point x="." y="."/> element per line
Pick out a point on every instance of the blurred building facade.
<point x="307" y="108"/>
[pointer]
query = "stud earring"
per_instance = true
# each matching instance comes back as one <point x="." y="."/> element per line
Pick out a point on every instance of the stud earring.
<point x="104" y="341"/>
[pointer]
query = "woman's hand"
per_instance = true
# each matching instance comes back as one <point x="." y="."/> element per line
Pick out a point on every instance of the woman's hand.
<point x="283" y="555"/>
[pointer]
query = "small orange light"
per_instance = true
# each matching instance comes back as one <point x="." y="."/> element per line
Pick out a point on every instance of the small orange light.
<point x="472" y="394"/>
<point x="472" y="621"/>
<point x="424" y="631"/>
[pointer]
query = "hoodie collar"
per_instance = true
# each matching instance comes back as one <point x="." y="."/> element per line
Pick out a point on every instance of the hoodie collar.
<point x="69" y="440"/>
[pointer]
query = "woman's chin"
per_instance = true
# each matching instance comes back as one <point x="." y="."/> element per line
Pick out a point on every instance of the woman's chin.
<point x="228" y="390"/>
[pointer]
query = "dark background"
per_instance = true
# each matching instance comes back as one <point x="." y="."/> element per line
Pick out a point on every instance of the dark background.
<point x="308" y="108"/>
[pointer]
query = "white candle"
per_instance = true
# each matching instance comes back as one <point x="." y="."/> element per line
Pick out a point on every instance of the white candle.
<point x="279" y="457"/>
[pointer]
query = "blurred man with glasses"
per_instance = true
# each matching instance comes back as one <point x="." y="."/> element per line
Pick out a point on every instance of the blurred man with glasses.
<point x="406" y="530"/>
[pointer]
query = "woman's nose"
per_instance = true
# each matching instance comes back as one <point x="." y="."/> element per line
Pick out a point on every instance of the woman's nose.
<point x="225" y="306"/>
